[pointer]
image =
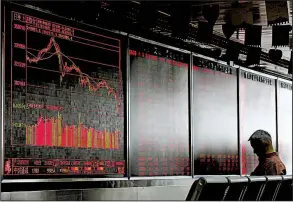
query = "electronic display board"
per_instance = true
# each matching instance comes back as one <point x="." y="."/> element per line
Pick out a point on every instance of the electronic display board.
<point x="285" y="124"/>
<point x="257" y="111"/>
<point x="159" y="128"/>
<point x="214" y="111"/>
<point x="64" y="102"/>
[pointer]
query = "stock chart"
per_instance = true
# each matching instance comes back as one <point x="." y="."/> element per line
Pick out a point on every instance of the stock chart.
<point x="159" y="134"/>
<point x="257" y="111"/>
<point x="214" y="118"/>
<point x="64" y="100"/>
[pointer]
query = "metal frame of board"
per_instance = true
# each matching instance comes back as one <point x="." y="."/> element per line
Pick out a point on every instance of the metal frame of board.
<point x="62" y="180"/>
<point x="128" y="135"/>
<point x="128" y="109"/>
<point x="191" y="128"/>
<point x="277" y="112"/>
<point x="238" y="122"/>
<point x="2" y="91"/>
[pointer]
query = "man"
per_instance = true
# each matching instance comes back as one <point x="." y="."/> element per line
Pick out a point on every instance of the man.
<point x="269" y="161"/>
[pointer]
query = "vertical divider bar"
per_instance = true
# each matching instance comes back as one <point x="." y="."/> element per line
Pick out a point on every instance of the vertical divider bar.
<point x="190" y="84"/>
<point x="277" y="112"/>
<point x="239" y="121"/>
<point x="128" y="109"/>
<point x="2" y="93"/>
<point x="2" y="111"/>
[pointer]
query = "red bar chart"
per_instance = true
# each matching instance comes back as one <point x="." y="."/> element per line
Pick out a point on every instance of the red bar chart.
<point x="53" y="132"/>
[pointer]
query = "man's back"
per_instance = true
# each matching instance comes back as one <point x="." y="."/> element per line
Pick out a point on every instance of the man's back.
<point x="270" y="165"/>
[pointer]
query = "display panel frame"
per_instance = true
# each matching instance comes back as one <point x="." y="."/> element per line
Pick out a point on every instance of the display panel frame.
<point x="241" y="136"/>
<point x="2" y="101"/>
<point x="2" y="90"/>
<point x="151" y="42"/>
<point x="277" y="85"/>
<point x="128" y="107"/>
<point x="190" y="101"/>
<point x="9" y="8"/>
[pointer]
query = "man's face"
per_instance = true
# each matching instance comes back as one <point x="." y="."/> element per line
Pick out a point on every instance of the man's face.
<point x="257" y="148"/>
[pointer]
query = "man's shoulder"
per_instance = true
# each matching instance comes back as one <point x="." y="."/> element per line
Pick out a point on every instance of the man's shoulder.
<point x="275" y="163"/>
<point x="274" y="160"/>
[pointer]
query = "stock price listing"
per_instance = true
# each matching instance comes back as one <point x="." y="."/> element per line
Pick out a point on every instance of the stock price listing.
<point x="64" y="101"/>
<point x="285" y="124"/>
<point x="257" y="111"/>
<point x="159" y="135"/>
<point x="214" y="119"/>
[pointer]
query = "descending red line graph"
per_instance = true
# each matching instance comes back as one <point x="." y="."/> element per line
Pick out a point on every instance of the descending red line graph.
<point x="85" y="80"/>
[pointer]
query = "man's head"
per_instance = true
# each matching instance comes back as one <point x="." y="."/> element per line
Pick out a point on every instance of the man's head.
<point x="261" y="142"/>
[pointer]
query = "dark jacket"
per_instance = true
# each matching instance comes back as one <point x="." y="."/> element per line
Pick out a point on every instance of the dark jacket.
<point x="270" y="165"/>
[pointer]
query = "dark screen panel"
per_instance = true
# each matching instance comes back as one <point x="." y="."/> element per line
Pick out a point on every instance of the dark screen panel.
<point x="64" y="109"/>
<point x="159" y="132"/>
<point x="257" y="111"/>
<point x="214" y="118"/>
<point x="285" y="124"/>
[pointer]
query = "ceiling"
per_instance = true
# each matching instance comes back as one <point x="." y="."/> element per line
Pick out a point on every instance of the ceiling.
<point x="132" y="8"/>
<point x="260" y="18"/>
<point x="259" y="13"/>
